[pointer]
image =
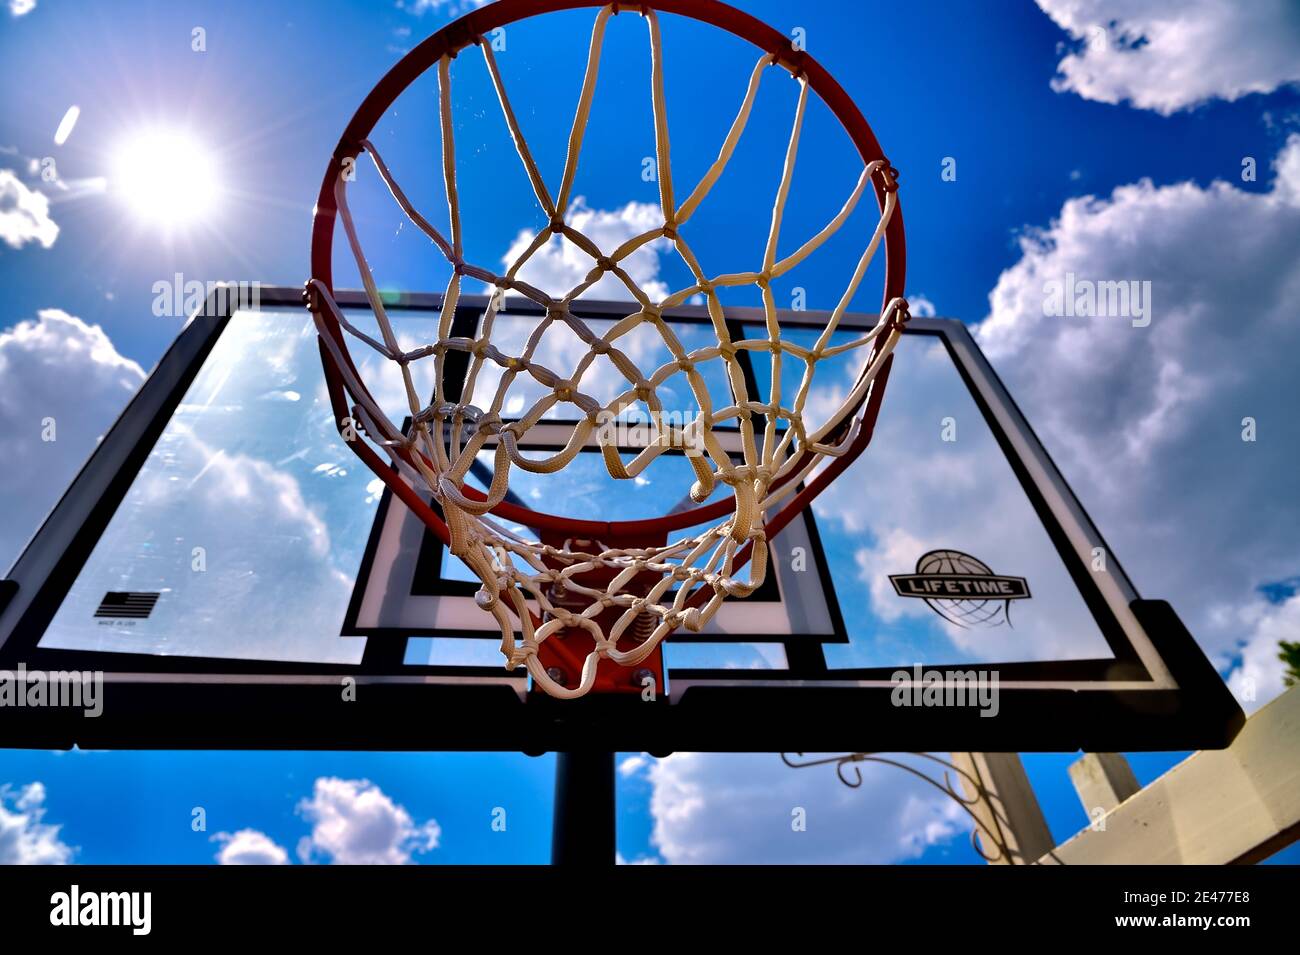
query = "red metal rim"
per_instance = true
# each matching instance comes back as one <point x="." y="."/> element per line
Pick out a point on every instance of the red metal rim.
<point x="462" y="33"/>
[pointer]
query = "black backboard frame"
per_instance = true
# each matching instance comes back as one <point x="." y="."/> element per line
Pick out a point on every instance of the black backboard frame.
<point x="171" y="702"/>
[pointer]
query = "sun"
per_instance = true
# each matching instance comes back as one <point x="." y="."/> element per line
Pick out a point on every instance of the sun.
<point x="166" y="178"/>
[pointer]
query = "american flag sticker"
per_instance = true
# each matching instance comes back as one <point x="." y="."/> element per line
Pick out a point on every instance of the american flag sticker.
<point x="127" y="604"/>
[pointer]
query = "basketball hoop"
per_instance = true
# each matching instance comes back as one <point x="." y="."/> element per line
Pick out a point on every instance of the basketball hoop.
<point x="585" y="591"/>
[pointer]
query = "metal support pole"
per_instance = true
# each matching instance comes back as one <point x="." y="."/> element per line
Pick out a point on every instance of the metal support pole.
<point x="582" y="831"/>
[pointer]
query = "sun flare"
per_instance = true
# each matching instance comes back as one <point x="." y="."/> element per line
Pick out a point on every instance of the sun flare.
<point x="166" y="178"/>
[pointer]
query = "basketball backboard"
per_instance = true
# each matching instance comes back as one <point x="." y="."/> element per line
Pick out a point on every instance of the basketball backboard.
<point x="241" y="582"/>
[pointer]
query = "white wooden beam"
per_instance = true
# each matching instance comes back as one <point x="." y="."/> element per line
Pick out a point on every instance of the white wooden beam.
<point x="1237" y="805"/>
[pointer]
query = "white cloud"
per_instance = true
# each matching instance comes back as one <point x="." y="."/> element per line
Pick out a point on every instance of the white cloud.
<point x="712" y="809"/>
<point x="62" y="368"/>
<point x="561" y="350"/>
<point x="633" y="765"/>
<point x="248" y="514"/>
<point x="1147" y="422"/>
<point x="1258" y="677"/>
<point x="18" y="8"/>
<point x="921" y="307"/>
<point x="453" y="7"/>
<point x="1166" y="57"/>
<point x="25" y="839"/>
<point x="560" y="265"/>
<point x="249" y="847"/>
<point x="897" y="548"/>
<point x="24" y="214"/>
<point x="355" y="823"/>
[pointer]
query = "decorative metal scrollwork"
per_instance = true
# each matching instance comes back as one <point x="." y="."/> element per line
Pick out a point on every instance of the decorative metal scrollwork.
<point x="980" y="836"/>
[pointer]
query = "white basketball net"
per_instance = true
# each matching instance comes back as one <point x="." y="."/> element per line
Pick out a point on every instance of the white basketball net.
<point x="526" y="581"/>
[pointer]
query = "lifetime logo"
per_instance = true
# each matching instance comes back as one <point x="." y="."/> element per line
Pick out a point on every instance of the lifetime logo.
<point x="953" y="585"/>
<point x="961" y="589"/>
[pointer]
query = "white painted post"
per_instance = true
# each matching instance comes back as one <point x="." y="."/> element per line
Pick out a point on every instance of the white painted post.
<point x="1103" y="781"/>
<point x="1012" y="828"/>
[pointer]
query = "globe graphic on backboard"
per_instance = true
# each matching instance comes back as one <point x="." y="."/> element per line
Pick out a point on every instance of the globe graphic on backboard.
<point x="963" y="613"/>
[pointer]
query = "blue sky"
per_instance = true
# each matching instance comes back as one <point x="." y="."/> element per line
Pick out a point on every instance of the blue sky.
<point x="1123" y="162"/>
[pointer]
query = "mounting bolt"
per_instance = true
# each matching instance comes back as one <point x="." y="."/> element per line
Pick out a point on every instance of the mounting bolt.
<point x="556" y="674"/>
